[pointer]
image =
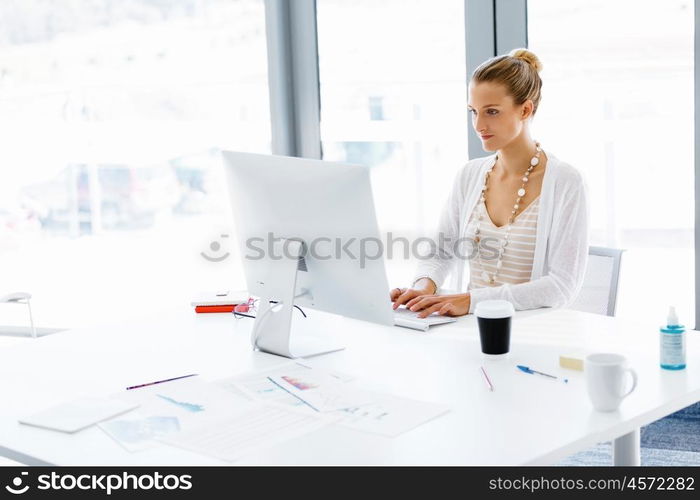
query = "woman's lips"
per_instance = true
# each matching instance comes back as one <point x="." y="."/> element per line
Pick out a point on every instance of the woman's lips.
<point x="484" y="137"/>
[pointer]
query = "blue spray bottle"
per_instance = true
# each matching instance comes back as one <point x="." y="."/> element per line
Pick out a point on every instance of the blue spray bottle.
<point x="672" y="343"/>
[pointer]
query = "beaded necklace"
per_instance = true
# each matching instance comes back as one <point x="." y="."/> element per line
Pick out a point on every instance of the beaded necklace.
<point x="491" y="278"/>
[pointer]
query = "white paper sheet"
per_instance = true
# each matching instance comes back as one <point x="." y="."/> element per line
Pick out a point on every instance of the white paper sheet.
<point x="169" y="408"/>
<point x="390" y="415"/>
<point x="321" y="393"/>
<point x="136" y="431"/>
<point x="386" y="415"/>
<point x="252" y="429"/>
<point x="257" y="386"/>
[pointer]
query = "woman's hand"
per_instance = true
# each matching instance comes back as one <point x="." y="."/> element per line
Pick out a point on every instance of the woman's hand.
<point x="424" y="286"/>
<point x="445" y="305"/>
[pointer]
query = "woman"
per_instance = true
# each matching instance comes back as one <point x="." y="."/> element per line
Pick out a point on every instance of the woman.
<point x="523" y="210"/>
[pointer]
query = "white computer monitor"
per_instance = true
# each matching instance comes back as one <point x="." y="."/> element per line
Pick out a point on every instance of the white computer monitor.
<point x="309" y="237"/>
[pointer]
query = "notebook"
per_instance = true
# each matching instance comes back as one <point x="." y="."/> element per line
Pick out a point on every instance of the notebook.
<point x="78" y="414"/>
<point x="223" y="298"/>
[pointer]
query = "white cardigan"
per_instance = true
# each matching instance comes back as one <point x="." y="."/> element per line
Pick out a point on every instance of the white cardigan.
<point x="561" y="244"/>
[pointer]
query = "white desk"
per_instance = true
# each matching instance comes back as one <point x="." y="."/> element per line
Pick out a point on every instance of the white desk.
<point x="526" y="420"/>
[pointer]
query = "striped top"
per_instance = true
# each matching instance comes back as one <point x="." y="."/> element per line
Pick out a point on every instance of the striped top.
<point x="516" y="266"/>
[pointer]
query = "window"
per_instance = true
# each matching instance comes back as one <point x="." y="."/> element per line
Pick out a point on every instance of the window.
<point x="618" y="105"/>
<point x="116" y="113"/>
<point x="393" y="97"/>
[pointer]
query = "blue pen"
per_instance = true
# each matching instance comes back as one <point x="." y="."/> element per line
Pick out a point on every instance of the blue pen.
<point x="529" y="370"/>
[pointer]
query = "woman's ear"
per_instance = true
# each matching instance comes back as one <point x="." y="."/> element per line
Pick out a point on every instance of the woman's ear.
<point x="527" y="110"/>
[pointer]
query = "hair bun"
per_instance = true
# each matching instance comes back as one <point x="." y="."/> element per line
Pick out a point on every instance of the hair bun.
<point x="528" y="57"/>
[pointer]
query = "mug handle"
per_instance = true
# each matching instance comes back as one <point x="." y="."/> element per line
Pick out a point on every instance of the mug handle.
<point x="634" y="382"/>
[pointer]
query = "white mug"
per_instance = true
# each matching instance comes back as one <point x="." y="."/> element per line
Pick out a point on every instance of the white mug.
<point x="605" y="379"/>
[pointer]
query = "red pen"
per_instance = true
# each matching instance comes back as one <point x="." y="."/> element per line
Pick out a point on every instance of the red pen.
<point x="215" y="309"/>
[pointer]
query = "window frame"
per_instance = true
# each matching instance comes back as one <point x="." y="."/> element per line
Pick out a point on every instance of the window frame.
<point x="491" y="28"/>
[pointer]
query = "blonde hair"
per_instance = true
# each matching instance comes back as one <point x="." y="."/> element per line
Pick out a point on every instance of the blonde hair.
<point x="518" y="71"/>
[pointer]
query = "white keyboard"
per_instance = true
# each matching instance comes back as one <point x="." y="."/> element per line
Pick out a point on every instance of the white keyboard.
<point x="409" y="319"/>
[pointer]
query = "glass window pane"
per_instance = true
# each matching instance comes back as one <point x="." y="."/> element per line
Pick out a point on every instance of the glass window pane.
<point x="618" y="104"/>
<point x="114" y="114"/>
<point x="393" y="96"/>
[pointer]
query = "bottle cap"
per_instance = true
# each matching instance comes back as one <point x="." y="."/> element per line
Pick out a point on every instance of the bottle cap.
<point x="672" y="319"/>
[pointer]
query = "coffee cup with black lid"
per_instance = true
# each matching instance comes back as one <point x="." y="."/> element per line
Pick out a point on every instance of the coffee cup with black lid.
<point x="494" y="320"/>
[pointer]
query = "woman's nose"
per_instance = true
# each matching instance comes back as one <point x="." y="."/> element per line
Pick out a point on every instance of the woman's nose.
<point x="479" y="125"/>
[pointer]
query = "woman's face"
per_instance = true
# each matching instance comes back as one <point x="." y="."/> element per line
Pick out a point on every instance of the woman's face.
<point x="495" y="117"/>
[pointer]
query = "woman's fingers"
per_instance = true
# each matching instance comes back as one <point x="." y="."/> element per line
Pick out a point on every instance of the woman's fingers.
<point x="426" y="304"/>
<point x="404" y="297"/>
<point x="430" y="310"/>
<point x="420" y="303"/>
<point x="417" y="299"/>
<point x="411" y="302"/>
<point x="447" y="309"/>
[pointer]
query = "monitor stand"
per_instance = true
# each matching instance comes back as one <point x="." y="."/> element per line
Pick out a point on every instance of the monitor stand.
<point x="279" y="328"/>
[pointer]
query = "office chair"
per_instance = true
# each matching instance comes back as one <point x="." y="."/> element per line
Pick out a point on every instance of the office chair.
<point x="21" y="298"/>
<point x="599" y="290"/>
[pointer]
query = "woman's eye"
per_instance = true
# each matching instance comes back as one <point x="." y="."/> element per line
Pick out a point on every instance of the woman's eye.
<point x="489" y="111"/>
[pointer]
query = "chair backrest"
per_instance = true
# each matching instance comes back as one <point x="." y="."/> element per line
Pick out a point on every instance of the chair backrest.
<point x="599" y="291"/>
